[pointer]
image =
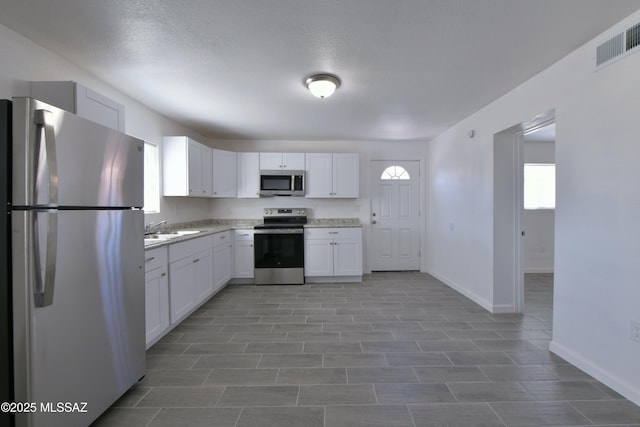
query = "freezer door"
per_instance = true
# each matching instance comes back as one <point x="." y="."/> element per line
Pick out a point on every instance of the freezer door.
<point x="60" y="159"/>
<point x="89" y="344"/>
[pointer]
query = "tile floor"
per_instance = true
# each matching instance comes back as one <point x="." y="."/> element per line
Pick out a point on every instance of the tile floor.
<point x="400" y="349"/>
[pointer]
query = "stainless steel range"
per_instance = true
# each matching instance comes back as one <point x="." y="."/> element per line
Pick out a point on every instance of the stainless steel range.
<point x="279" y="247"/>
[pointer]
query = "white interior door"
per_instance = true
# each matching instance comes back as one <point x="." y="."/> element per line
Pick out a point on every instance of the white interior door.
<point x="395" y="220"/>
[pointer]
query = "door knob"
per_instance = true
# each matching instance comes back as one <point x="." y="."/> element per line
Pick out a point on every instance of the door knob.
<point x="373" y="222"/>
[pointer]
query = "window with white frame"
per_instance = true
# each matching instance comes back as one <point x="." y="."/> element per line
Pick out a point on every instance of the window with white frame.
<point x="539" y="186"/>
<point x="395" y="172"/>
<point x="151" y="178"/>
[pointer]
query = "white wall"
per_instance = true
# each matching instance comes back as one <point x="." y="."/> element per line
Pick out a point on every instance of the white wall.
<point x="598" y="197"/>
<point x="538" y="224"/>
<point x="23" y="61"/>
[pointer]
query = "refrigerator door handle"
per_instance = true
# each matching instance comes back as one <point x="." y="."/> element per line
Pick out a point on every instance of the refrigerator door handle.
<point x="43" y="290"/>
<point x="44" y="119"/>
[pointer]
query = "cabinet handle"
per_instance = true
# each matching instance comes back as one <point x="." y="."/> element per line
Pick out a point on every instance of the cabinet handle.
<point x="250" y="246"/>
<point x="196" y="260"/>
<point x="150" y="259"/>
<point x="163" y="274"/>
<point x="333" y="232"/>
<point x="223" y="237"/>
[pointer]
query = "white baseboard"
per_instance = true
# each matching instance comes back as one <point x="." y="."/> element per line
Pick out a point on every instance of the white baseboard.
<point x="617" y="384"/>
<point x="472" y="296"/>
<point x="539" y="270"/>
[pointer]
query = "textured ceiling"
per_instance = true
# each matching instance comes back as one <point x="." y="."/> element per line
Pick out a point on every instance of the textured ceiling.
<point x="235" y="68"/>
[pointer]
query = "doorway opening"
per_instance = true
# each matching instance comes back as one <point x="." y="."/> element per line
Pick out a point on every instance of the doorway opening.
<point x="512" y="247"/>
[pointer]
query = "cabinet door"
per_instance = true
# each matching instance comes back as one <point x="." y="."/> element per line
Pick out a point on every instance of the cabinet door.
<point x="293" y="161"/>
<point x="224" y="173"/>
<point x="194" y="172"/>
<point x="156" y="304"/>
<point x="244" y="257"/>
<point x="182" y="293"/>
<point x="318" y="257"/>
<point x="203" y="263"/>
<point x="222" y="263"/>
<point x="271" y="161"/>
<point x="206" y="172"/>
<point x="319" y="175"/>
<point x="346" y="175"/>
<point x="248" y="175"/>
<point x="347" y="257"/>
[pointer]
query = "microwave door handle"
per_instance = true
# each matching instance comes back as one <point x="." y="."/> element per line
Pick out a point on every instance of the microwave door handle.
<point x="44" y="119"/>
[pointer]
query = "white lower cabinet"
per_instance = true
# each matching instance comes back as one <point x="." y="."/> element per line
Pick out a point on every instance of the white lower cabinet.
<point x="190" y="276"/>
<point x="244" y="258"/>
<point x="156" y="301"/>
<point x="222" y="259"/>
<point x="332" y="253"/>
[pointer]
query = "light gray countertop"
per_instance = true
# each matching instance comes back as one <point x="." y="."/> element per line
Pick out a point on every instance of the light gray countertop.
<point x="206" y="227"/>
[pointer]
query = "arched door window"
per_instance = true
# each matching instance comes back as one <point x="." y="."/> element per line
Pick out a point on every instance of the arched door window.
<point x="395" y="172"/>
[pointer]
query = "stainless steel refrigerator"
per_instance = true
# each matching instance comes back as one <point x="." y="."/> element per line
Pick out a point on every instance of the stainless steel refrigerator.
<point x="72" y="265"/>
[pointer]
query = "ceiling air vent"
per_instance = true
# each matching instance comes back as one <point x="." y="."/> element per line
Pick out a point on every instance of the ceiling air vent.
<point x="609" y="50"/>
<point x="633" y="37"/>
<point x="618" y="47"/>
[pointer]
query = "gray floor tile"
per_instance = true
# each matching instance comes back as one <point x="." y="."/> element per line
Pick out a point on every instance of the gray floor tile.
<point x="291" y="361"/>
<point x="181" y="397"/>
<point x="242" y="377"/>
<point x="276" y="347"/>
<point x="166" y="361"/>
<point x="479" y="358"/>
<point x="518" y="373"/>
<point x="413" y="393"/>
<point x="450" y="374"/>
<point x="389" y="346"/>
<point x="126" y="417"/>
<point x="132" y="397"/>
<point x="609" y="412"/>
<point x="489" y="392"/>
<point x="196" y="417"/>
<point x="455" y="415"/>
<point x="175" y="377"/>
<point x="368" y="416"/>
<point x="381" y="375"/>
<point x="236" y="396"/>
<point x="332" y="347"/>
<point x="218" y="361"/>
<point x="564" y="390"/>
<point x="539" y="414"/>
<point x="215" y="348"/>
<point x="417" y="359"/>
<point x="286" y="417"/>
<point x="447" y="345"/>
<point x="341" y="394"/>
<point x="312" y="376"/>
<point x="343" y="360"/>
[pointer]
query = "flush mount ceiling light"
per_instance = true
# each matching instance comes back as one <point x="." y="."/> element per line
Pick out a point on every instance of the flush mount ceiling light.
<point x="322" y="85"/>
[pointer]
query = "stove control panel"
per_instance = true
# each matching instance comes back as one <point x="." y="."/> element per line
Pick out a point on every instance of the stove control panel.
<point x="284" y="212"/>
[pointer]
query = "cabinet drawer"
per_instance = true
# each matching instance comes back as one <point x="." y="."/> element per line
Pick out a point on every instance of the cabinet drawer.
<point x="187" y="248"/>
<point x="154" y="258"/>
<point x="220" y="238"/>
<point x="243" y="235"/>
<point x="333" y="233"/>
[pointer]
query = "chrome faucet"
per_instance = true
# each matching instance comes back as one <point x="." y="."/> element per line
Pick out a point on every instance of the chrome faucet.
<point x="148" y="229"/>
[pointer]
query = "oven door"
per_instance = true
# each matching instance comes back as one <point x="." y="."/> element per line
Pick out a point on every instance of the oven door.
<point x="279" y="255"/>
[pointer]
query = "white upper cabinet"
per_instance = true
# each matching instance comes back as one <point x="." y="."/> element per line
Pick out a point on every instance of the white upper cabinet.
<point x="284" y="161"/>
<point x="248" y="175"/>
<point x="224" y="173"/>
<point x="186" y="167"/>
<point x="334" y="175"/>
<point x="80" y="100"/>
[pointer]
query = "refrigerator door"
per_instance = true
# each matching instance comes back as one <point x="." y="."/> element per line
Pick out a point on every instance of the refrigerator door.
<point x="60" y="159"/>
<point x="89" y="344"/>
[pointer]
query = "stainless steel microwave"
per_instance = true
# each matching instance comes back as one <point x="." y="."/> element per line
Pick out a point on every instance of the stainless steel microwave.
<point x="281" y="183"/>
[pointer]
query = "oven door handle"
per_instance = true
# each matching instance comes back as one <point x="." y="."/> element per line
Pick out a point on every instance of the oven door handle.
<point x="278" y="231"/>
